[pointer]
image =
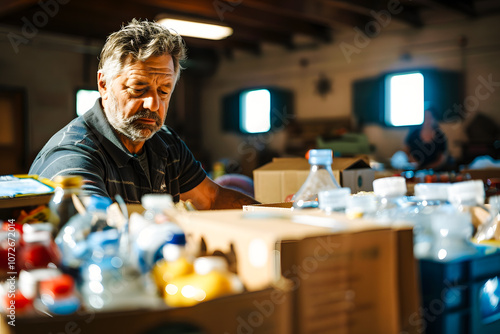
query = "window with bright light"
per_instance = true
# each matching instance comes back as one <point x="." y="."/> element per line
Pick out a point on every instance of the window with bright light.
<point x="85" y="99"/>
<point x="404" y="102"/>
<point x="256" y="111"/>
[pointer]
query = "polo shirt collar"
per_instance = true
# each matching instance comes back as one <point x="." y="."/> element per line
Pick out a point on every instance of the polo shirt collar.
<point x="102" y="129"/>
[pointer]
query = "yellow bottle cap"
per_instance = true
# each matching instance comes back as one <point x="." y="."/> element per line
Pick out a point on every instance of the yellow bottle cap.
<point x="69" y="181"/>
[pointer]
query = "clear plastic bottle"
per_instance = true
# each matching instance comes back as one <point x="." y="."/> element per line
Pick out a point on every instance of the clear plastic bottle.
<point x="334" y="200"/>
<point x="391" y="196"/>
<point x="320" y="178"/>
<point x="467" y="195"/>
<point x="452" y="231"/>
<point x="211" y="279"/>
<point x="108" y="283"/>
<point x="96" y="208"/>
<point x="361" y="205"/>
<point x="150" y="232"/>
<point x="71" y="239"/>
<point x="156" y="206"/>
<point x="61" y="204"/>
<point x="151" y="241"/>
<point x="430" y="198"/>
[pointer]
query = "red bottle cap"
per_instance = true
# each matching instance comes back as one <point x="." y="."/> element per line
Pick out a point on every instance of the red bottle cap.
<point x="58" y="286"/>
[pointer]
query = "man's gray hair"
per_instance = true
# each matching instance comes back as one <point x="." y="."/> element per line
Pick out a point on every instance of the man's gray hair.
<point x="140" y="39"/>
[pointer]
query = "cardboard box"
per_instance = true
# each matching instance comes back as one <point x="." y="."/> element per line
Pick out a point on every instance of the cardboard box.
<point x="350" y="277"/>
<point x="274" y="181"/>
<point x="409" y="297"/>
<point x="266" y="311"/>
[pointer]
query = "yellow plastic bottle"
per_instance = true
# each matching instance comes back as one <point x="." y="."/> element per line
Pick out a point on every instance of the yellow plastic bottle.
<point x="174" y="265"/>
<point x="211" y="279"/>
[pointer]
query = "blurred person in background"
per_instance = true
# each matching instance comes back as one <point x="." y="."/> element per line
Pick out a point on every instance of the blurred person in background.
<point x="426" y="146"/>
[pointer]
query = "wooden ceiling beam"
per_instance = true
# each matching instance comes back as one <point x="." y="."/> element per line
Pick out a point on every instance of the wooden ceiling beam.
<point x="9" y="6"/>
<point x="223" y="45"/>
<point x="315" y="11"/>
<point x="408" y="14"/>
<point x="465" y="7"/>
<point x="225" y="13"/>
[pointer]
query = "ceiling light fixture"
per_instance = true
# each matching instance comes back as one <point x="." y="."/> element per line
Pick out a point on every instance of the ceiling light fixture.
<point x="196" y="29"/>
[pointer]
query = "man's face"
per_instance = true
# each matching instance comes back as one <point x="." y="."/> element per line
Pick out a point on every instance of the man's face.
<point x="136" y="104"/>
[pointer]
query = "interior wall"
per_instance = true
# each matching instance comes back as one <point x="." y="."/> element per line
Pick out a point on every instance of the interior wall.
<point x="49" y="69"/>
<point x="468" y="45"/>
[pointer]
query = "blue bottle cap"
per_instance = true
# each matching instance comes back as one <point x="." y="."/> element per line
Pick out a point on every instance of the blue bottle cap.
<point x="98" y="203"/>
<point x="323" y="157"/>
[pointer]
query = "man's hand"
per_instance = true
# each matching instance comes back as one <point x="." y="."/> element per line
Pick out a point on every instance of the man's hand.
<point x="208" y="195"/>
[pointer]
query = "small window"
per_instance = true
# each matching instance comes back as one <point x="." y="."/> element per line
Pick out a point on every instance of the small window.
<point x="404" y="101"/>
<point x="85" y="99"/>
<point x="256" y="111"/>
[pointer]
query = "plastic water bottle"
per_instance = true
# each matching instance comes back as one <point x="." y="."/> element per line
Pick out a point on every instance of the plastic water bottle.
<point x="150" y="243"/>
<point x="429" y="198"/>
<point x="320" y="178"/>
<point x="96" y="208"/>
<point x="155" y="205"/>
<point x="71" y="239"/>
<point x="108" y="282"/>
<point x="361" y="206"/>
<point x="452" y="232"/>
<point x="210" y="280"/>
<point x="467" y="195"/>
<point x="334" y="200"/>
<point x="61" y="203"/>
<point x="391" y="195"/>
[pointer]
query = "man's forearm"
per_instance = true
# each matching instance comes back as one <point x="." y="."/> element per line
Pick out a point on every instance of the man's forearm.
<point x="231" y="199"/>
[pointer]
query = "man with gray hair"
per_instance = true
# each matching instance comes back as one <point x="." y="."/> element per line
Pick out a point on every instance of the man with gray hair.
<point x="121" y="146"/>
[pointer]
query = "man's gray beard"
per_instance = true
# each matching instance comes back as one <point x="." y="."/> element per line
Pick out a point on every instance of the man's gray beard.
<point x="128" y="127"/>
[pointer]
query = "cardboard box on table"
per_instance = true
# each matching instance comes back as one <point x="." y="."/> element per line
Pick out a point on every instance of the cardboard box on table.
<point x="274" y="181"/>
<point x="355" y="278"/>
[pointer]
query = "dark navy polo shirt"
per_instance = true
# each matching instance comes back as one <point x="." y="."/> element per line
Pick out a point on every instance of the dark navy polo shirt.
<point x="88" y="146"/>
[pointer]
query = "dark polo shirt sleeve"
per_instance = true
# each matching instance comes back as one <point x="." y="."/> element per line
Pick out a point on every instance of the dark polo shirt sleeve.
<point x="88" y="146"/>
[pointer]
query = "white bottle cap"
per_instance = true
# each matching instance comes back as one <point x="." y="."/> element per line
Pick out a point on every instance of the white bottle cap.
<point x="390" y="186"/>
<point x="333" y="199"/>
<point x="40" y="236"/>
<point x="361" y="203"/>
<point x="206" y="264"/>
<point x="432" y="191"/>
<point x="30" y="228"/>
<point x="28" y="280"/>
<point x="467" y="191"/>
<point x="154" y="201"/>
